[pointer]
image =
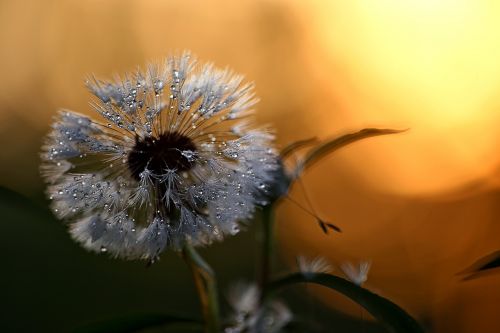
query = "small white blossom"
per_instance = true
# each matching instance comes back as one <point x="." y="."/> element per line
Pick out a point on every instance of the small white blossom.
<point x="310" y="266"/>
<point x="250" y="316"/>
<point x="357" y="275"/>
<point x="164" y="165"/>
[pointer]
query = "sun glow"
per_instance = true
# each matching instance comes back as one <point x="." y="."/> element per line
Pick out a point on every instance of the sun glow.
<point x="432" y="66"/>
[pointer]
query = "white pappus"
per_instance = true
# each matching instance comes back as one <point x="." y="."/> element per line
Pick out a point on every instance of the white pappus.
<point x="309" y="267"/>
<point x="356" y="274"/>
<point x="250" y="316"/>
<point x="174" y="158"/>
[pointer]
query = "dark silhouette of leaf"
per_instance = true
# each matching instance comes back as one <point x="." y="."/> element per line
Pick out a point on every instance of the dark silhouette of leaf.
<point x="294" y="146"/>
<point x="136" y="323"/>
<point x="12" y="200"/>
<point x="482" y="266"/>
<point x="322" y="150"/>
<point x="393" y="317"/>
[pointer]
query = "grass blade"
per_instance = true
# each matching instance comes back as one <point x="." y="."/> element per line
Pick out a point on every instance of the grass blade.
<point x="322" y="150"/>
<point x="393" y="317"/>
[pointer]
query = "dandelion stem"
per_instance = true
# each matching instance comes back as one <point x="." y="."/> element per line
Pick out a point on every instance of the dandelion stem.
<point x="267" y="245"/>
<point x="204" y="278"/>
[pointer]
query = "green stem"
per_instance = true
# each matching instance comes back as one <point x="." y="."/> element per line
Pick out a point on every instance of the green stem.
<point x="204" y="278"/>
<point x="267" y="245"/>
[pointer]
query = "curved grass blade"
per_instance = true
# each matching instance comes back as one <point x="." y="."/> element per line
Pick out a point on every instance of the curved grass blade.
<point x="483" y="266"/>
<point x="393" y="317"/>
<point x="294" y="146"/>
<point x="136" y="323"/>
<point x="317" y="153"/>
<point x="13" y="201"/>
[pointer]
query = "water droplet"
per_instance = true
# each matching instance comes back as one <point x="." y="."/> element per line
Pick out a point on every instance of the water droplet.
<point x="235" y="229"/>
<point x="189" y="154"/>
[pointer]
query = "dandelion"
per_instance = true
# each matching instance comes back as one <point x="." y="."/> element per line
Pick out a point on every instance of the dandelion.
<point x="250" y="316"/>
<point x="309" y="266"/>
<point x="357" y="275"/>
<point x="174" y="158"/>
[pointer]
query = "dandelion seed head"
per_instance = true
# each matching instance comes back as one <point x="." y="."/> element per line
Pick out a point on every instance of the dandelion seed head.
<point x="172" y="158"/>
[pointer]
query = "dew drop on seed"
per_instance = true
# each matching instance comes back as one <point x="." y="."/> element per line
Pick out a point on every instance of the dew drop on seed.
<point x="235" y="229"/>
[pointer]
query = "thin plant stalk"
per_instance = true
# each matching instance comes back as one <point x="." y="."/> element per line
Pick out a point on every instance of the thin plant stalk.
<point x="204" y="278"/>
<point x="267" y="245"/>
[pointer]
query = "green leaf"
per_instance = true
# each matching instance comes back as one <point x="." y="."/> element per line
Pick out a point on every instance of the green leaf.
<point x="483" y="266"/>
<point x="9" y="197"/>
<point x="317" y="153"/>
<point x="389" y="314"/>
<point x="11" y="201"/>
<point x="292" y="147"/>
<point x="136" y="323"/>
<point x="18" y="208"/>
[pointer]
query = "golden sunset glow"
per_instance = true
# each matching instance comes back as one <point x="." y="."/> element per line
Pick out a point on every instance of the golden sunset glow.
<point x="431" y="66"/>
<point x="421" y="204"/>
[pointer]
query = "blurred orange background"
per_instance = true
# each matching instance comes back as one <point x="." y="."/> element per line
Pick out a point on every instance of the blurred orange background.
<point x="421" y="205"/>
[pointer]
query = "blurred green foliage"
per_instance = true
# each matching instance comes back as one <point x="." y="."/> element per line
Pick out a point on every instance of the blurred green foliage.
<point x="51" y="284"/>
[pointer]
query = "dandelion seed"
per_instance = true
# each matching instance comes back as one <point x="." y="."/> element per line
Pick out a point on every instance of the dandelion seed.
<point x="249" y="315"/>
<point x="164" y="165"/>
<point x="357" y="275"/>
<point x="309" y="266"/>
<point x="244" y="297"/>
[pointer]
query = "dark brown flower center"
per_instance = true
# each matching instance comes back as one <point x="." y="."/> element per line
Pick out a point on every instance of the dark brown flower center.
<point x="168" y="151"/>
